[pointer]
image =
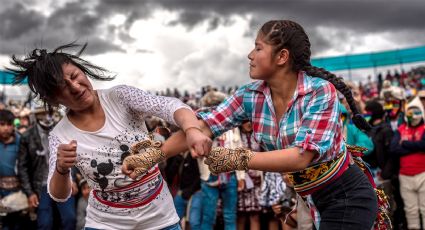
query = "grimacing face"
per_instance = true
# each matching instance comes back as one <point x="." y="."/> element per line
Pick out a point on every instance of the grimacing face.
<point x="77" y="93"/>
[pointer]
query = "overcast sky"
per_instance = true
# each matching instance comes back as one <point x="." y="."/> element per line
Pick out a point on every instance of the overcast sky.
<point x="188" y="44"/>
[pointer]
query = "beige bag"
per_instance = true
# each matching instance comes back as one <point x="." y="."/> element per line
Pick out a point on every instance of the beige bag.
<point x="14" y="202"/>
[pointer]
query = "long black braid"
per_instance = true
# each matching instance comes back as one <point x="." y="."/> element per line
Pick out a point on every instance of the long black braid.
<point x="286" y="34"/>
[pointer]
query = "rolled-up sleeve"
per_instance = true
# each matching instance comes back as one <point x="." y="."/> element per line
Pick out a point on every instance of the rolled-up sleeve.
<point x="228" y="115"/>
<point x="319" y="123"/>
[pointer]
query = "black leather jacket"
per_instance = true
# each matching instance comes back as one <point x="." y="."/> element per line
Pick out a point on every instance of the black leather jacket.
<point x="31" y="166"/>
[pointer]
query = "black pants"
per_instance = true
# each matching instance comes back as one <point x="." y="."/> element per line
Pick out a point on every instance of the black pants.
<point x="349" y="202"/>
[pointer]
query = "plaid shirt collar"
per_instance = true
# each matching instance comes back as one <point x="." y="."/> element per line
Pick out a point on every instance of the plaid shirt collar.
<point x="304" y="85"/>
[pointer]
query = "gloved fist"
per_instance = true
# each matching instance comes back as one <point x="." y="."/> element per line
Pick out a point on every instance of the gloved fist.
<point x="145" y="155"/>
<point x="225" y="160"/>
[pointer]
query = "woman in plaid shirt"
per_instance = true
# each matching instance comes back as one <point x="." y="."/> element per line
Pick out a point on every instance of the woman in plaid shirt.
<point x="295" y="114"/>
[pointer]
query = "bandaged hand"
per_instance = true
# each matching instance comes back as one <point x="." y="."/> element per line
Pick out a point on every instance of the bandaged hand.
<point x="144" y="155"/>
<point x="225" y="160"/>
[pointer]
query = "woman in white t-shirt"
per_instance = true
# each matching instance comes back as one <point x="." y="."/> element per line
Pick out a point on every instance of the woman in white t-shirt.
<point x="98" y="133"/>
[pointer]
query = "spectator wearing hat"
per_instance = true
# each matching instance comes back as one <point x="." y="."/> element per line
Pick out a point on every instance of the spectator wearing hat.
<point x="409" y="144"/>
<point x="24" y="120"/>
<point x="381" y="135"/>
<point x="383" y="165"/>
<point x="33" y="171"/>
<point x="394" y="101"/>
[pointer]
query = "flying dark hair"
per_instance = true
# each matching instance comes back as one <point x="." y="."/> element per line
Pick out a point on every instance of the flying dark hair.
<point x="286" y="34"/>
<point x="44" y="70"/>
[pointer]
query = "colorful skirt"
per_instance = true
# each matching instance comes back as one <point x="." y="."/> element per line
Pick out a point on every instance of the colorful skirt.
<point x="248" y="199"/>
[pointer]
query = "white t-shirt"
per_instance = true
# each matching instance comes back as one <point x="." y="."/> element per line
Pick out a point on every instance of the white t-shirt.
<point x="116" y="201"/>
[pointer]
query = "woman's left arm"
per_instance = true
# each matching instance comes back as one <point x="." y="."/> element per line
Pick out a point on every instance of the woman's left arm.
<point x="285" y="160"/>
<point x="196" y="140"/>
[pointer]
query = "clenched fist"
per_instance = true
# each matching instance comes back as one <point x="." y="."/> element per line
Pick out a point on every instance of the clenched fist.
<point x="145" y="155"/>
<point x="66" y="157"/>
<point x="225" y="160"/>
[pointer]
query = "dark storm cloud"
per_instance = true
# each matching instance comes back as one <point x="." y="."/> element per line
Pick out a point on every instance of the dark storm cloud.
<point x="16" y="22"/>
<point x="361" y="16"/>
<point x="74" y="16"/>
<point x="23" y="29"/>
<point x="20" y="26"/>
<point x="132" y="9"/>
<point x="356" y="15"/>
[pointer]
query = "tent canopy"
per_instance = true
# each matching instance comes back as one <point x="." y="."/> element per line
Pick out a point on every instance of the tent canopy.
<point x="6" y="78"/>
<point x="371" y="60"/>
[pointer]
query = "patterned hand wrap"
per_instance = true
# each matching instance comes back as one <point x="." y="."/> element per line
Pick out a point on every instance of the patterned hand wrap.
<point x="145" y="155"/>
<point x="225" y="160"/>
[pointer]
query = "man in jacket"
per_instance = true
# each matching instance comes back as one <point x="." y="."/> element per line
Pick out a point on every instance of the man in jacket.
<point x="33" y="172"/>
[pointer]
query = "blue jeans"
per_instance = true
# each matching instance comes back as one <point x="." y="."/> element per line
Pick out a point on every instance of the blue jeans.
<point x="172" y="227"/>
<point x="349" y="202"/>
<point x="45" y="212"/>
<point x="195" y="209"/>
<point x="195" y="212"/>
<point x="229" y="194"/>
<point x="181" y="205"/>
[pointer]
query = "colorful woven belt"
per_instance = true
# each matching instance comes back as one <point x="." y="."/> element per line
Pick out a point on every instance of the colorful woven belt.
<point x="317" y="176"/>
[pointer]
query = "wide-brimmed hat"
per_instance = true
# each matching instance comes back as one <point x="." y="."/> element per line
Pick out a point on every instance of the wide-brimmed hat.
<point x="393" y="91"/>
<point x="39" y="109"/>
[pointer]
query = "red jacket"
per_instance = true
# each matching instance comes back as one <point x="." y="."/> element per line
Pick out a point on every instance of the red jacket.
<point x="413" y="141"/>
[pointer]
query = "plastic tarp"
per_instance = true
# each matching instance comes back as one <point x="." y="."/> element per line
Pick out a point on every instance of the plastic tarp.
<point x="7" y="78"/>
<point x="371" y="60"/>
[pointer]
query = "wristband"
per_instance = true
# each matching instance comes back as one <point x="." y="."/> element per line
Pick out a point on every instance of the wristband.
<point x="62" y="173"/>
<point x="192" y="127"/>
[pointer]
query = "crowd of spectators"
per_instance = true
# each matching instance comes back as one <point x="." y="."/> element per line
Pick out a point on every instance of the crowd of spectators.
<point x="393" y="103"/>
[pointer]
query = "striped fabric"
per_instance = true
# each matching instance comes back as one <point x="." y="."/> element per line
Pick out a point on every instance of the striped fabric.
<point x="311" y="122"/>
<point x="136" y="194"/>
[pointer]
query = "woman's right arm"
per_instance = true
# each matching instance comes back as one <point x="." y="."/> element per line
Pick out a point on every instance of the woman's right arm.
<point x="226" y="116"/>
<point x="62" y="158"/>
<point x="177" y="142"/>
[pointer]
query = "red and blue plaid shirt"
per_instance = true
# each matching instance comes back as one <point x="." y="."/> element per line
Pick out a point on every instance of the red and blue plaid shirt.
<point x="311" y="122"/>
